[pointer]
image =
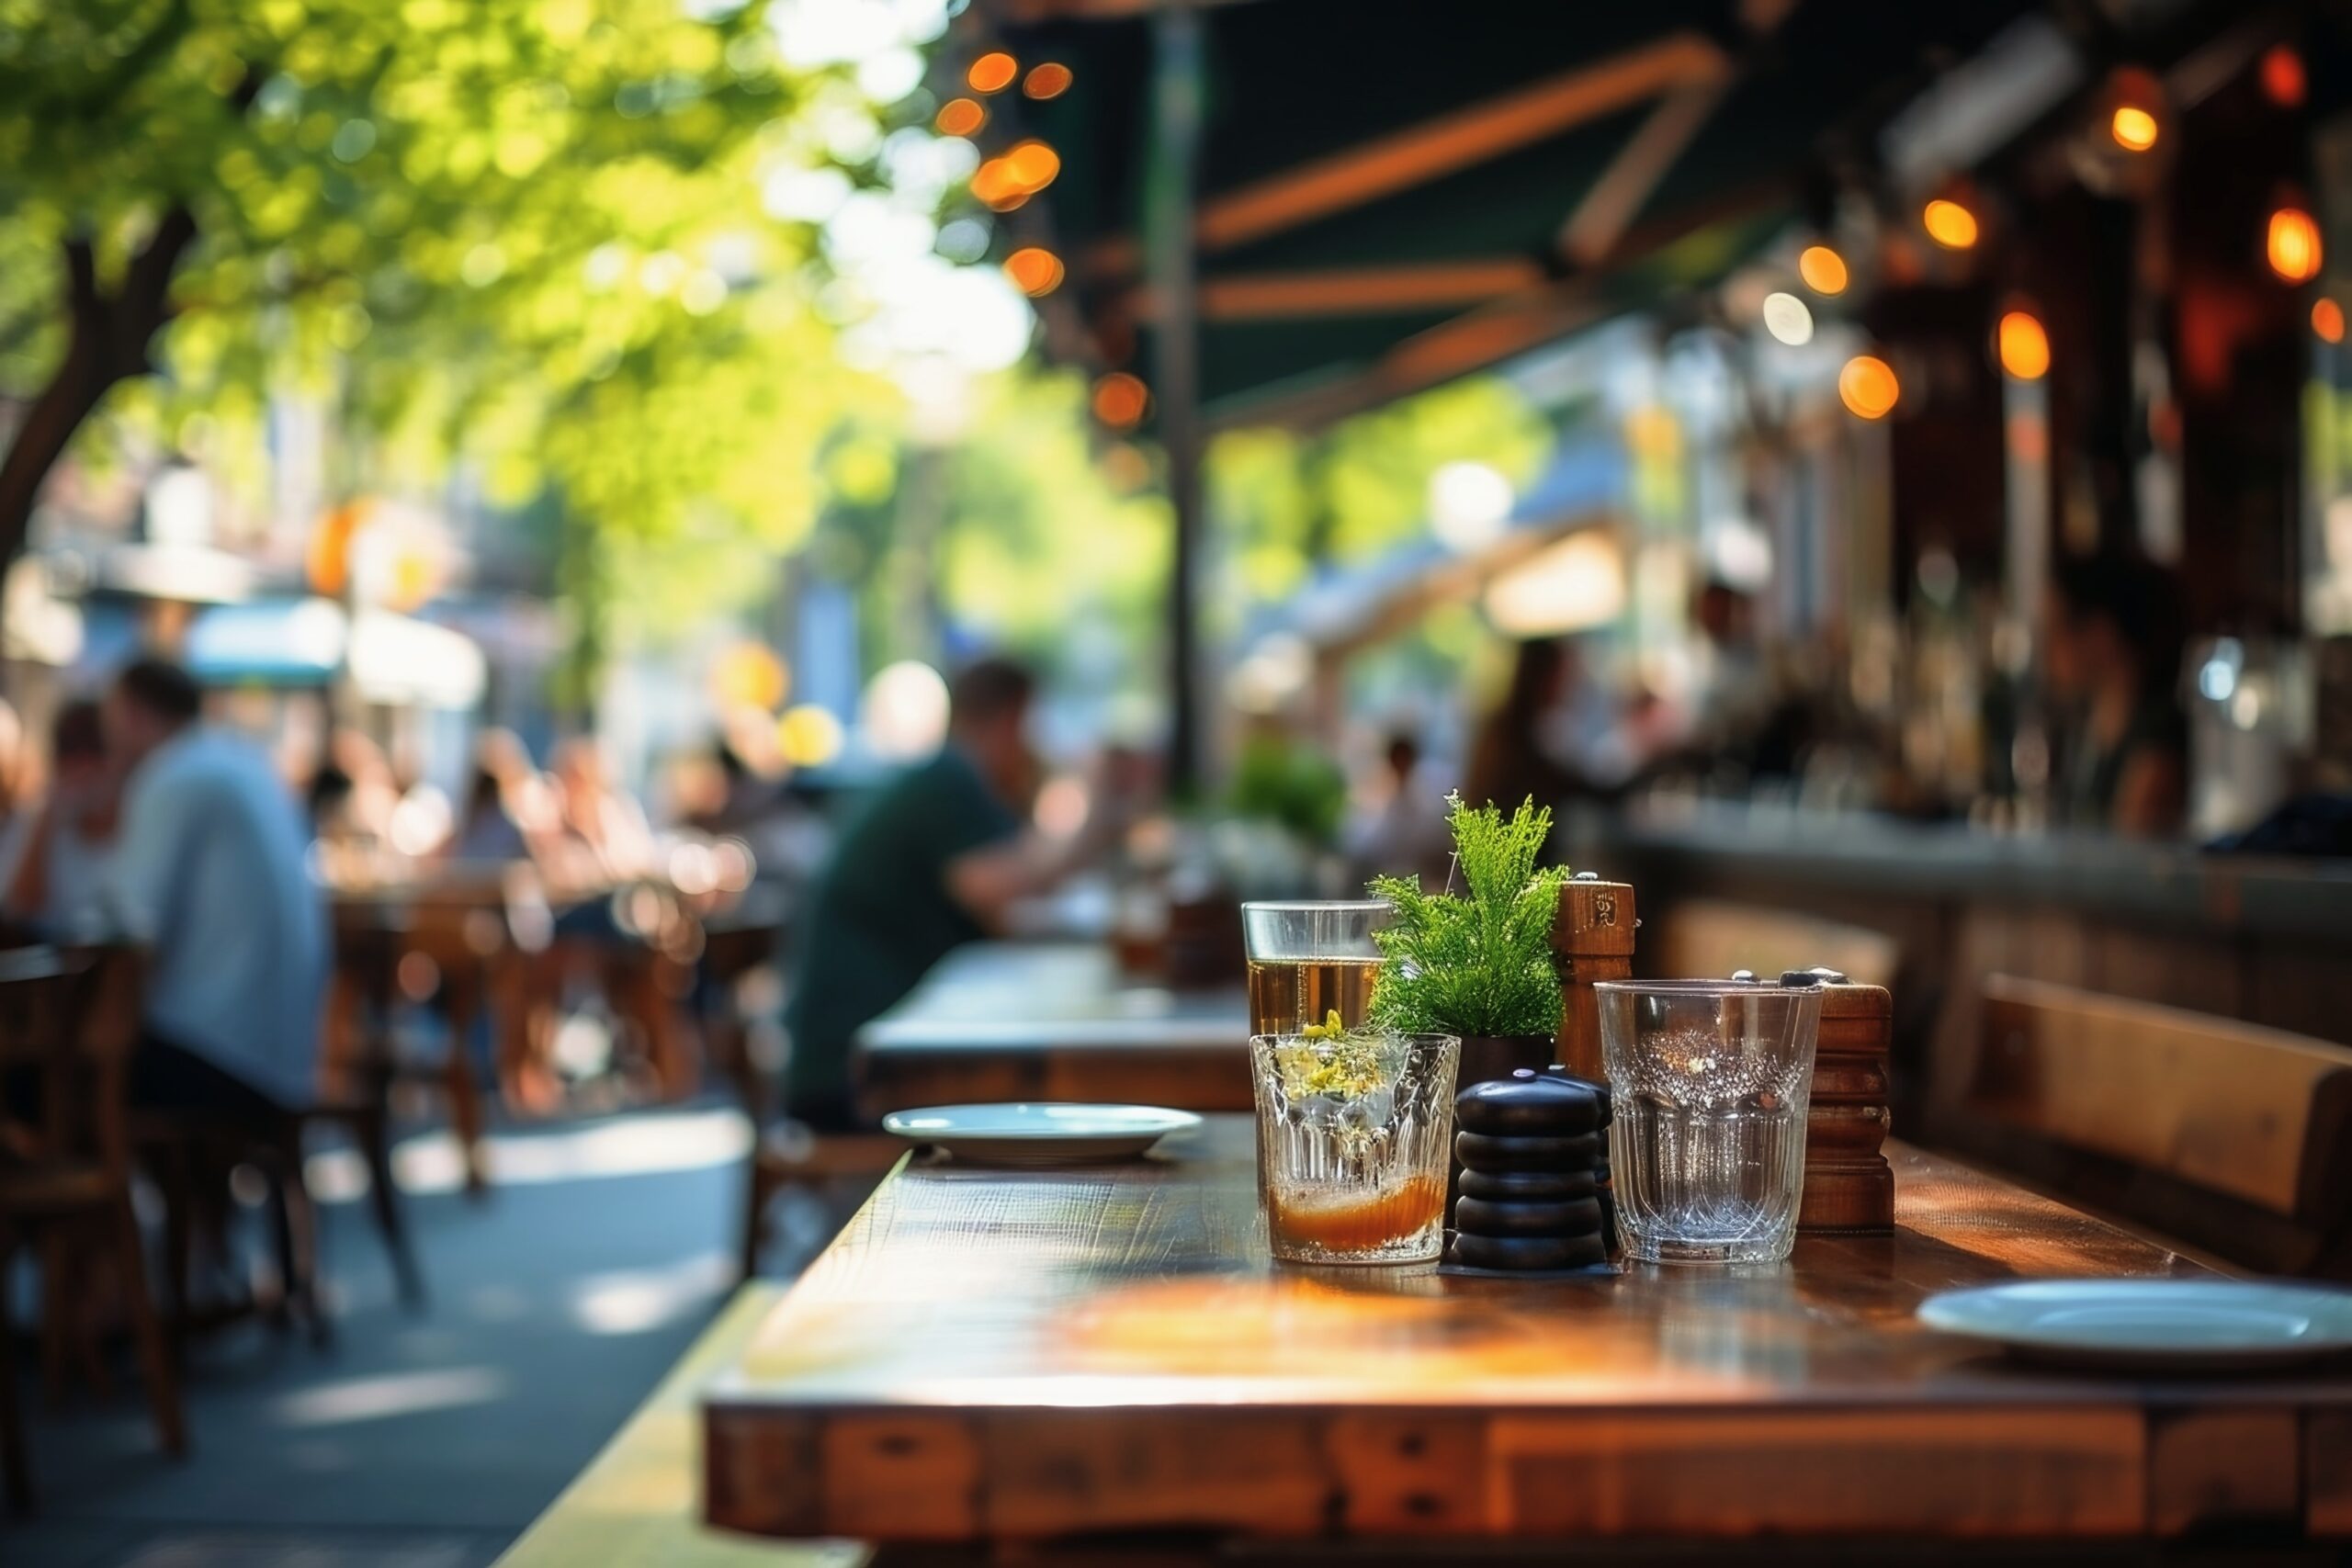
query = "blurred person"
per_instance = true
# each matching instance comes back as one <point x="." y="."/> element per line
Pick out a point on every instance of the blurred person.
<point x="1514" y="754"/>
<point x="2112" y="638"/>
<point x="60" y="882"/>
<point x="209" y="875"/>
<point x="605" y="824"/>
<point x="1405" y="832"/>
<point x="935" y="859"/>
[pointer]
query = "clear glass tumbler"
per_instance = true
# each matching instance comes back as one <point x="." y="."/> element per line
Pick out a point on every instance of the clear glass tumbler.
<point x="1308" y="961"/>
<point x="1353" y="1138"/>
<point x="1711" y="1079"/>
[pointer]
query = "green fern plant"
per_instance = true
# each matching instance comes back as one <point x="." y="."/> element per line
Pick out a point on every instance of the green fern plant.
<point x="1480" y="962"/>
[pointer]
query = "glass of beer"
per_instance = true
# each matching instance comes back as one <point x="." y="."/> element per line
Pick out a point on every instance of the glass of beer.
<point x="1308" y="961"/>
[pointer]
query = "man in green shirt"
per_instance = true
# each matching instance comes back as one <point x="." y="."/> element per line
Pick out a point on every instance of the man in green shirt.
<point x="932" y="861"/>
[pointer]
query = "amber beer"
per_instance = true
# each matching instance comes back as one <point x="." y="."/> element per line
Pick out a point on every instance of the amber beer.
<point x="1286" y="994"/>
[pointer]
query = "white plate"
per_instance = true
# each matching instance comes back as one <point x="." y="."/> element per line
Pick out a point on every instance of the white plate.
<point x="1041" y="1134"/>
<point x="2158" y="1324"/>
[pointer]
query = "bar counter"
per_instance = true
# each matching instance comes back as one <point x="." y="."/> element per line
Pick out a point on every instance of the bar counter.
<point x="2175" y="886"/>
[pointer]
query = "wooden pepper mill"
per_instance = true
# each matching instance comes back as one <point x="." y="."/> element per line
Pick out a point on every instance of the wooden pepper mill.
<point x="1592" y="938"/>
<point x="1849" y="1186"/>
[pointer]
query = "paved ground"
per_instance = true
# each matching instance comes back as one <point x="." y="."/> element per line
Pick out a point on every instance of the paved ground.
<point x="425" y="1441"/>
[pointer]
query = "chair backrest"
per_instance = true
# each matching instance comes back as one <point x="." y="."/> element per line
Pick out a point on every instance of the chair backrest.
<point x="69" y="1021"/>
<point x="2257" y="1115"/>
<point x="1715" y="937"/>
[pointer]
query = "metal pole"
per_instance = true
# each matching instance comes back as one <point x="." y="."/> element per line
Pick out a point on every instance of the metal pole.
<point x="1172" y="267"/>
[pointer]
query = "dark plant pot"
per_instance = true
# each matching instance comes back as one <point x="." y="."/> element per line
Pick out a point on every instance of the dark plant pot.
<point x="1485" y="1057"/>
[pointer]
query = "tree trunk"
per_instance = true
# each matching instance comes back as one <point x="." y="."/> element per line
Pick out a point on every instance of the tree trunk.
<point x="107" y="344"/>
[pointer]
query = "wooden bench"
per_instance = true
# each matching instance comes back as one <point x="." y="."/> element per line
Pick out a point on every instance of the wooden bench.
<point x="1714" y="937"/>
<point x="639" y="1500"/>
<point x="2229" y="1136"/>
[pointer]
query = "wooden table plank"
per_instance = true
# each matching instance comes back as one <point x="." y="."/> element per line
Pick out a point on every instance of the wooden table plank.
<point x="636" y="1501"/>
<point x="996" y="1355"/>
<point x="1030" y="1020"/>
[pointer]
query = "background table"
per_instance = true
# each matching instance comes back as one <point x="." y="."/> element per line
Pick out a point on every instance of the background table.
<point x="1003" y="1356"/>
<point x="1021" y="1021"/>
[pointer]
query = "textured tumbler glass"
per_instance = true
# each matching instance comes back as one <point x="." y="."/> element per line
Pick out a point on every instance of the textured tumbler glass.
<point x="1353" y="1139"/>
<point x="1710" y="1079"/>
<point x="1310" y="960"/>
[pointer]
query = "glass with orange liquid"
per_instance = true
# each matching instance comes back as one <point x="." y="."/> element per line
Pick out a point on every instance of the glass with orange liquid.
<point x="1354" y="1133"/>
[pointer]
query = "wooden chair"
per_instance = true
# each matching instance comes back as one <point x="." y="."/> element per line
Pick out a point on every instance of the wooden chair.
<point x="790" y="1155"/>
<point x="2229" y="1136"/>
<point x="67" y="1027"/>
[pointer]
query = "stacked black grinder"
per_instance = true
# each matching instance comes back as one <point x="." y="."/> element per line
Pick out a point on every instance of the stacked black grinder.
<point x="1534" y="1185"/>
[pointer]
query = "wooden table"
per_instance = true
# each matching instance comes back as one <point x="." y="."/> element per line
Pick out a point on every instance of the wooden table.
<point x="1025" y="1020"/>
<point x="995" y="1357"/>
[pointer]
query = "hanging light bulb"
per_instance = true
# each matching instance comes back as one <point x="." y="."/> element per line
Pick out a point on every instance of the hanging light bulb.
<point x="1949" y="224"/>
<point x="2024" y="346"/>
<point x="1868" y="387"/>
<point x="2294" y="244"/>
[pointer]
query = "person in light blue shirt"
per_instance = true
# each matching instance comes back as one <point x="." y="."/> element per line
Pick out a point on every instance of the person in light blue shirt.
<point x="210" y="873"/>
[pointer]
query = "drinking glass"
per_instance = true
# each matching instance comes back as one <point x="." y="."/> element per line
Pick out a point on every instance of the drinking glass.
<point x="1353" y="1138"/>
<point x="1310" y="960"/>
<point x="1710" y="1079"/>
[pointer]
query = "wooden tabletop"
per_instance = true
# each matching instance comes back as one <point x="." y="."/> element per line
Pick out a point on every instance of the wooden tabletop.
<point x="1000" y="1356"/>
<point x="1033" y="1020"/>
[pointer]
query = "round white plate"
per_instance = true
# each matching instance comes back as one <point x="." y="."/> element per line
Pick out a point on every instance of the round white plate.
<point x="1042" y="1134"/>
<point x="2158" y="1324"/>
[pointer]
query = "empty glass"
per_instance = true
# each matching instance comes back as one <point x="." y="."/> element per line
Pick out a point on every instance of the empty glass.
<point x="1711" y="1079"/>
<point x="1353" y="1138"/>
<point x="1310" y="960"/>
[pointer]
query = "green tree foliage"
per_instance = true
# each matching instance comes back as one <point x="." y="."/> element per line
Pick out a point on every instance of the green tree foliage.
<point x="1017" y="531"/>
<point x="524" y="232"/>
<point x="1480" y="964"/>
<point x="1286" y="503"/>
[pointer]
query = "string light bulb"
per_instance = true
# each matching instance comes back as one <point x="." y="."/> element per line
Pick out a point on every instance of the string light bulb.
<point x="2134" y="127"/>
<point x="1949" y="224"/>
<point x="1035" y="270"/>
<point x="1868" y="387"/>
<point x="2292" y="245"/>
<point x="2024" y="346"/>
<point x="1121" y="401"/>
<point x="992" y="72"/>
<point x="1048" y="80"/>
<point x="1823" y="269"/>
<point x="2327" y="321"/>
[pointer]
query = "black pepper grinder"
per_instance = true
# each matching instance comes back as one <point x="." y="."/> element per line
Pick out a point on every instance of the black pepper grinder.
<point x="1533" y="1149"/>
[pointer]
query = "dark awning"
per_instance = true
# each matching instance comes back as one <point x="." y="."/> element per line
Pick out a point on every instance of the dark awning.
<point x="1392" y="192"/>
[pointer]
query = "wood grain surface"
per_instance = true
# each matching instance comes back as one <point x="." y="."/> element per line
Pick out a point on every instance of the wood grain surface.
<point x="1021" y="1021"/>
<point x="1006" y="1356"/>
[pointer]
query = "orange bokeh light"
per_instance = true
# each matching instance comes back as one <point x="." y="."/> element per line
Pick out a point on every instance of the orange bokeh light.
<point x="2282" y="75"/>
<point x="992" y="72"/>
<point x="2134" y="129"/>
<point x="1949" y="224"/>
<point x="1868" y="387"/>
<point x="1823" y="269"/>
<point x="1121" y="401"/>
<point x="1033" y="270"/>
<point x="1032" y="165"/>
<point x="2294" y="244"/>
<point x="1050" y="80"/>
<point x="2025" y="347"/>
<point x="2327" y="321"/>
<point x="960" y="117"/>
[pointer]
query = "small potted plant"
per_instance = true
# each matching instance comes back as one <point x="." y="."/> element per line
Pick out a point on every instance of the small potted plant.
<point x="1477" y="964"/>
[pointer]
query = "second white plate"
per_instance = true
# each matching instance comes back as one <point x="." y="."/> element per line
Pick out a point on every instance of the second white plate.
<point x="1039" y="1134"/>
<point x="2156" y="1324"/>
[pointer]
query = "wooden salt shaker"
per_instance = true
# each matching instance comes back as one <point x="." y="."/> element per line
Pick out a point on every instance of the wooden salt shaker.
<point x="1849" y="1186"/>
<point x="1592" y="938"/>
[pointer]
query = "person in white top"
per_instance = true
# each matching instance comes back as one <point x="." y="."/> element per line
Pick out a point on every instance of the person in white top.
<point x="209" y="874"/>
